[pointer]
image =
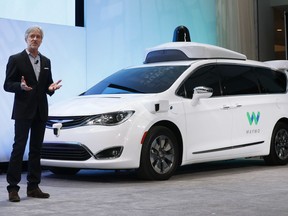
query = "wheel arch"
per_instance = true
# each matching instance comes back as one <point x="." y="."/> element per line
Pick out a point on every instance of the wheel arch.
<point x="284" y="120"/>
<point x="278" y="148"/>
<point x="170" y="125"/>
<point x="281" y="120"/>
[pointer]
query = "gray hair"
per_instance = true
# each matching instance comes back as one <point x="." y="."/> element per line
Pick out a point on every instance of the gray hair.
<point x="33" y="28"/>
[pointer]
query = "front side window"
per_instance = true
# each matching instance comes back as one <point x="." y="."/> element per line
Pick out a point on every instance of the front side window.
<point x="138" y="80"/>
<point x="205" y="76"/>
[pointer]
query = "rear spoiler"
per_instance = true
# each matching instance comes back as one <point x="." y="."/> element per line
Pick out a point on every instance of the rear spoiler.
<point x="278" y="64"/>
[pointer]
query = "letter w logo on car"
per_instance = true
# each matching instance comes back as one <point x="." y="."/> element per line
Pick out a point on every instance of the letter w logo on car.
<point x="253" y="118"/>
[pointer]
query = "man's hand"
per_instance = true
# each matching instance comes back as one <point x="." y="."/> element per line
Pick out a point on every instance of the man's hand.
<point x="55" y="86"/>
<point x="24" y="85"/>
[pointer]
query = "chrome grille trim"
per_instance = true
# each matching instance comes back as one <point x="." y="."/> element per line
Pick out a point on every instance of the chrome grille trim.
<point x="68" y="121"/>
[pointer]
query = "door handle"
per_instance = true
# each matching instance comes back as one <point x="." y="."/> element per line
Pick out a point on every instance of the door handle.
<point x="236" y="106"/>
<point x="225" y="107"/>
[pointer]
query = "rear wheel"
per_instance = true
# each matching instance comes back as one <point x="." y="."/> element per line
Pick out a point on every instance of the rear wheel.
<point x="159" y="155"/>
<point x="279" y="146"/>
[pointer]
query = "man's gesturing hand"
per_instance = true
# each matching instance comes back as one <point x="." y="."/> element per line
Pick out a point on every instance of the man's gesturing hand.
<point x="55" y="86"/>
<point x="24" y="85"/>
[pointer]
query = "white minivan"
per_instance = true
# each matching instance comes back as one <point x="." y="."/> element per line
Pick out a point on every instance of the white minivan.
<point x="187" y="103"/>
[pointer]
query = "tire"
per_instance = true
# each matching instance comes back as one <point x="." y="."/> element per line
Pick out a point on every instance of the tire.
<point x="64" y="170"/>
<point x="159" y="155"/>
<point x="279" y="146"/>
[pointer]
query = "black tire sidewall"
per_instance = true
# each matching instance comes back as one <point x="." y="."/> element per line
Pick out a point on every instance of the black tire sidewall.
<point x="146" y="170"/>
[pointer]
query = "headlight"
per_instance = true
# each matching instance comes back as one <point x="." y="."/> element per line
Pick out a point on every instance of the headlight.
<point x="110" y="119"/>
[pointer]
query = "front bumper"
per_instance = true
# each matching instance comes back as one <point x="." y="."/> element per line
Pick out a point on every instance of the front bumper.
<point x="80" y="147"/>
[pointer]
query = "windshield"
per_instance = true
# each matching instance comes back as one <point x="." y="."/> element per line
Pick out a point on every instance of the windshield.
<point x="138" y="80"/>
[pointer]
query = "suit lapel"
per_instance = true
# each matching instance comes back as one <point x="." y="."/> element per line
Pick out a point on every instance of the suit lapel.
<point x="42" y="65"/>
<point x="28" y="62"/>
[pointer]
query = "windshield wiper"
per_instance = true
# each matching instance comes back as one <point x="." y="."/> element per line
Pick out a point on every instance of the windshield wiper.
<point x="124" y="88"/>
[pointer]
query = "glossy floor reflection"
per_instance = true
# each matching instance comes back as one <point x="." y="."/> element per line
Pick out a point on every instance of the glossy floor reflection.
<point x="239" y="187"/>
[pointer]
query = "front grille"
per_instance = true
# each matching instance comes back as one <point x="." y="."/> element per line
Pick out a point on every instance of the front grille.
<point x="67" y="121"/>
<point x="67" y="151"/>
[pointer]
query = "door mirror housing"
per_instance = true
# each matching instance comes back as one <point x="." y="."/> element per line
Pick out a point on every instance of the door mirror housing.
<point x="201" y="92"/>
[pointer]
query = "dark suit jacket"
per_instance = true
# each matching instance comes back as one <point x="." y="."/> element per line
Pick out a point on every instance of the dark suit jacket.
<point x="26" y="102"/>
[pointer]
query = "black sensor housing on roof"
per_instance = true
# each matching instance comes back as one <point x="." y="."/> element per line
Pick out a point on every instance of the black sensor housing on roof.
<point x="181" y="34"/>
<point x="165" y="55"/>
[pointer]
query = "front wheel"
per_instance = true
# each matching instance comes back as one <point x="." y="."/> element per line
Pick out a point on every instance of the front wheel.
<point x="159" y="155"/>
<point x="279" y="146"/>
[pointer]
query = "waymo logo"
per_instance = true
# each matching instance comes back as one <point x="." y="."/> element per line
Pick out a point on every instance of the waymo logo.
<point x="253" y="117"/>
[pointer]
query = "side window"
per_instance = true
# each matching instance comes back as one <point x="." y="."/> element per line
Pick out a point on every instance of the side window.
<point x="204" y="76"/>
<point x="271" y="81"/>
<point x="238" y="80"/>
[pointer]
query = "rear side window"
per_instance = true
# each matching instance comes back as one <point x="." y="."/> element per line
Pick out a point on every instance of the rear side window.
<point x="238" y="80"/>
<point x="271" y="81"/>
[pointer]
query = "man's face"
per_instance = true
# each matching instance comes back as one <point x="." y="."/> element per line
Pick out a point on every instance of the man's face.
<point x="34" y="40"/>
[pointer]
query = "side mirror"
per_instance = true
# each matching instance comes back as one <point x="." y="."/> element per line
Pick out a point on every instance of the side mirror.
<point x="201" y="92"/>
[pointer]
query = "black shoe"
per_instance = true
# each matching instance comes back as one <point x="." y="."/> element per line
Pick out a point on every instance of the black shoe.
<point x="37" y="193"/>
<point x="13" y="196"/>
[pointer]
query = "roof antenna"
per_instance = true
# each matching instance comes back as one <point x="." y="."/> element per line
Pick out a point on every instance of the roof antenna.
<point x="181" y="33"/>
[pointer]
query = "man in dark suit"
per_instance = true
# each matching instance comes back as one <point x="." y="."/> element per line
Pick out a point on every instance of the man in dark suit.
<point x="28" y="75"/>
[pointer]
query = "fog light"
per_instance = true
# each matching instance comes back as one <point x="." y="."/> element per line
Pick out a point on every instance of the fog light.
<point x="110" y="153"/>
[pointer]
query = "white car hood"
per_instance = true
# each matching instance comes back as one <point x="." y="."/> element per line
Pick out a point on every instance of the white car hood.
<point x="96" y="104"/>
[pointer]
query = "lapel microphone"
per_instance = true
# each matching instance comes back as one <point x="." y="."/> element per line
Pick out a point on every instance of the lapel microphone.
<point x="36" y="62"/>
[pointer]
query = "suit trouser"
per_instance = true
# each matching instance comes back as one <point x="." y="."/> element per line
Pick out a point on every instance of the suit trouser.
<point x="36" y="127"/>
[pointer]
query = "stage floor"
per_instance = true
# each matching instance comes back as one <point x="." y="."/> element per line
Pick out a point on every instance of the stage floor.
<point x="239" y="187"/>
